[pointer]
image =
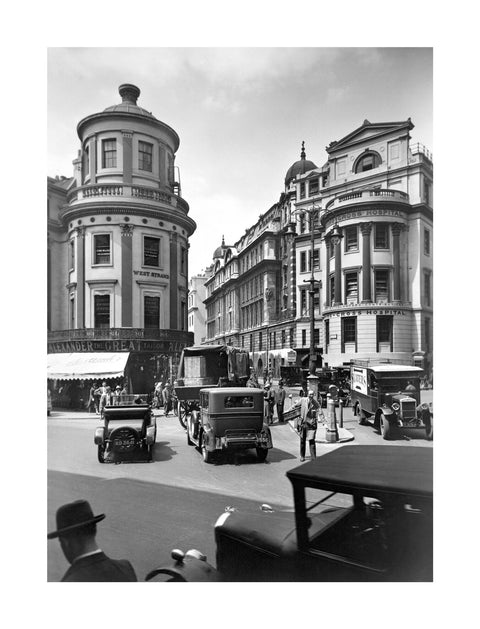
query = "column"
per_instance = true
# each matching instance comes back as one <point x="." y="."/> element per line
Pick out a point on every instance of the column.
<point x="127" y="156"/>
<point x="93" y="160"/>
<point x="397" y="288"/>
<point x="80" y="298"/>
<point x="338" y="273"/>
<point x="366" y="229"/>
<point x="327" y="273"/>
<point x="173" y="281"/>
<point x="127" y="276"/>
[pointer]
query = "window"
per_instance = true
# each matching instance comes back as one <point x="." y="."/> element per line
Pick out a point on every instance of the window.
<point x="304" y="338"/>
<point x="285" y="277"/>
<point x="341" y="166"/>
<point x="382" y="292"/>
<point x="351" y="238"/>
<point x="316" y="300"/>
<point x="351" y="287"/>
<point x="316" y="259"/>
<point x="303" y="261"/>
<point x="426" y="242"/>
<point x="183" y="260"/>
<point x="86" y="167"/>
<point x="427" y="288"/>
<point x="151" y="311"/>
<point x="102" y="311"/>
<point x="303" y="302"/>
<point x="385" y="330"/>
<point x="313" y="186"/>
<point x="427" y="192"/>
<point x="251" y="342"/>
<point x="332" y="289"/>
<point x="303" y="223"/>
<point x="291" y="337"/>
<point x="302" y="190"/>
<point x="331" y="248"/>
<point x="367" y="162"/>
<point x="260" y="341"/>
<point x="316" y="337"/>
<point x="145" y="151"/>
<point x="71" y="245"/>
<point x="101" y="245"/>
<point x="72" y="313"/>
<point x="327" y="332"/>
<point x="428" y="335"/>
<point x="285" y="302"/>
<point x="382" y="240"/>
<point x="183" y="314"/>
<point x="151" y="251"/>
<point x="274" y="340"/>
<point x="349" y="330"/>
<point x="109" y="153"/>
<point x="284" y="338"/>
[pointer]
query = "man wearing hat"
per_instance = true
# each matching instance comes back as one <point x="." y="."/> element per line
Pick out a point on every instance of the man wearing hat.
<point x="76" y="530"/>
<point x="307" y="424"/>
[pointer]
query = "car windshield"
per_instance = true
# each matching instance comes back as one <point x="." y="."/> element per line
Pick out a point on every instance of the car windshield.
<point x="395" y="384"/>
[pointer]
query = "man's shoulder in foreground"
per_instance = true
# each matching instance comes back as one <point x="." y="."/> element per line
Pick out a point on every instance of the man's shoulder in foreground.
<point x="99" y="567"/>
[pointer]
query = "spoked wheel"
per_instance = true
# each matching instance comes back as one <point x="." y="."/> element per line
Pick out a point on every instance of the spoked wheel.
<point x="262" y="454"/>
<point x="206" y="454"/>
<point x="385" y="427"/>
<point x="182" y="415"/>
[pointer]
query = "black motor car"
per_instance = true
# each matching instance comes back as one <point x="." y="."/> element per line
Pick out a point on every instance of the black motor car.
<point x="362" y="513"/>
<point x="128" y="433"/>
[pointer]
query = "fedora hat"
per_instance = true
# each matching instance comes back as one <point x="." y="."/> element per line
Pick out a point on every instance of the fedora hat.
<point x="74" y="515"/>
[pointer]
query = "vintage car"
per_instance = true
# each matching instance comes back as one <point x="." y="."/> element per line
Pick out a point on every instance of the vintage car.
<point x="362" y="513"/>
<point x="388" y="395"/>
<point x="129" y="431"/>
<point x="229" y="418"/>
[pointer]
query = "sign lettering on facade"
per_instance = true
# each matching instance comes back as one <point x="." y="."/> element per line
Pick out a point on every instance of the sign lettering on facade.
<point x="166" y="347"/>
<point x="152" y="274"/>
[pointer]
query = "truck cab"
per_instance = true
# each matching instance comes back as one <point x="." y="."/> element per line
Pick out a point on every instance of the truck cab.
<point x="387" y="395"/>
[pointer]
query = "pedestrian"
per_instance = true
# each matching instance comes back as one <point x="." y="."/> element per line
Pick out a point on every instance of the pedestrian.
<point x="91" y="398"/>
<point x="104" y="397"/>
<point x="123" y="394"/>
<point x="117" y="395"/>
<point x="307" y="424"/>
<point x="158" y="394"/>
<point x="268" y="403"/>
<point x="410" y="387"/>
<point x="252" y="382"/>
<point x="280" y="401"/>
<point x="76" y="530"/>
<point x="423" y="413"/>
<point x="167" y="399"/>
<point x="97" y="394"/>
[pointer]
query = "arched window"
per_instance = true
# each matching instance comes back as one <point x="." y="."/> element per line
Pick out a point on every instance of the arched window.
<point x="368" y="161"/>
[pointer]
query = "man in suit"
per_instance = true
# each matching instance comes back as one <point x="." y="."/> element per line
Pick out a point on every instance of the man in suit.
<point x="307" y="424"/>
<point x="280" y="401"/>
<point x="76" y="530"/>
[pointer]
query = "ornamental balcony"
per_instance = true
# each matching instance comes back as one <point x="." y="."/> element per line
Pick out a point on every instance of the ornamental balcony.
<point x="368" y="196"/>
<point x="122" y="193"/>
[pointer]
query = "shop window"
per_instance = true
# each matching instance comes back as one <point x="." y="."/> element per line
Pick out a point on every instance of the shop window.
<point x="384" y="331"/>
<point x="145" y="152"/>
<point x="109" y="153"/>
<point x="382" y="285"/>
<point x="426" y="242"/>
<point x="349" y="331"/>
<point x="151" y="311"/>
<point x="351" y="238"/>
<point x="151" y="251"/>
<point x="367" y="162"/>
<point x="102" y="311"/>
<point x="351" y="287"/>
<point x="382" y="240"/>
<point x="102" y="249"/>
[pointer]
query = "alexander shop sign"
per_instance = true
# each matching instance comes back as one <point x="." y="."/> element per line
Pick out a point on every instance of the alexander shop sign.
<point x="116" y="346"/>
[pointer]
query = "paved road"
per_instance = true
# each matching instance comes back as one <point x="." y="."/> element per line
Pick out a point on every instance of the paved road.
<point x="175" y="500"/>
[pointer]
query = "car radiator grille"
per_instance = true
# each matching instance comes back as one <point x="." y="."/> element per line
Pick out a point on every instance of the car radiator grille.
<point x="409" y="410"/>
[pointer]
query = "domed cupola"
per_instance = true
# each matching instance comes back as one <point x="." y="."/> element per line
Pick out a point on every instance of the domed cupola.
<point x="129" y="94"/>
<point x="299" y="168"/>
<point x="220" y="251"/>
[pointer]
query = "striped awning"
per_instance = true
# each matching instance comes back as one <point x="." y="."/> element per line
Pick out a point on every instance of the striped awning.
<point x="87" y="365"/>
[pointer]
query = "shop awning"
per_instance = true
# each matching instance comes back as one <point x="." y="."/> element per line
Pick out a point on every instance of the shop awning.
<point x="85" y="366"/>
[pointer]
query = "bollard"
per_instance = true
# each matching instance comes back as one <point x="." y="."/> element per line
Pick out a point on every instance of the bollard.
<point x="331" y="434"/>
<point x="340" y="403"/>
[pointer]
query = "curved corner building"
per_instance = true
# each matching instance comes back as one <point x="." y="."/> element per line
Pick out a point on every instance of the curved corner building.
<point x="118" y="252"/>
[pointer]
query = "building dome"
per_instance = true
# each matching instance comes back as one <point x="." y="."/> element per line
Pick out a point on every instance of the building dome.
<point x="129" y="94"/>
<point x="219" y="251"/>
<point x="299" y="168"/>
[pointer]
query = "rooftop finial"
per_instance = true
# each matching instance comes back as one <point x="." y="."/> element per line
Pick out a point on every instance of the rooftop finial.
<point x="302" y="154"/>
<point x="129" y="93"/>
<point x="223" y="240"/>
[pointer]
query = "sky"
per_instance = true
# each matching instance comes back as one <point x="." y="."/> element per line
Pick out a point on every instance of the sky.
<point x="241" y="114"/>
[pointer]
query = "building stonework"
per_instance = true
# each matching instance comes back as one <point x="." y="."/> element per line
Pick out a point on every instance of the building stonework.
<point x="373" y="279"/>
<point x="118" y="235"/>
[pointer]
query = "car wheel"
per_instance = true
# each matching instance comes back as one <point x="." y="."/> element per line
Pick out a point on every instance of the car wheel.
<point x="262" y="454"/>
<point x="182" y="415"/>
<point x="207" y="455"/>
<point x="101" y="454"/>
<point x="361" y="415"/>
<point x="385" y="427"/>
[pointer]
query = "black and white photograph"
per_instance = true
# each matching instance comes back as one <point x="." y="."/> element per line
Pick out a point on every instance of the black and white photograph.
<point x="244" y="337"/>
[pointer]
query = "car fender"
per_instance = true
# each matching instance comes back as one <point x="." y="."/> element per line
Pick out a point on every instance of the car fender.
<point x="99" y="436"/>
<point x="385" y="410"/>
<point x="150" y="437"/>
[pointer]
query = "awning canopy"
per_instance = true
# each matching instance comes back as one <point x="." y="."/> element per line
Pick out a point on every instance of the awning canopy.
<point x="86" y="366"/>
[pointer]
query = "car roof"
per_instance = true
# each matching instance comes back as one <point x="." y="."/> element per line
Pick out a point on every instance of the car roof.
<point x="370" y="470"/>
<point x="389" y="368"/>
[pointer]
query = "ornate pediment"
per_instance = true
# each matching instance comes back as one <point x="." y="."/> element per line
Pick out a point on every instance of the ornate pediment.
<point x="367" y="131"/>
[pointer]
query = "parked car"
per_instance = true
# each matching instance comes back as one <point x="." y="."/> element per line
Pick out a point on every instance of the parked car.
<point x="229" y="418"/>
<point x="129" y="431"/>
<point x="388" y="395"/>
<point x="362" y="513"/>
